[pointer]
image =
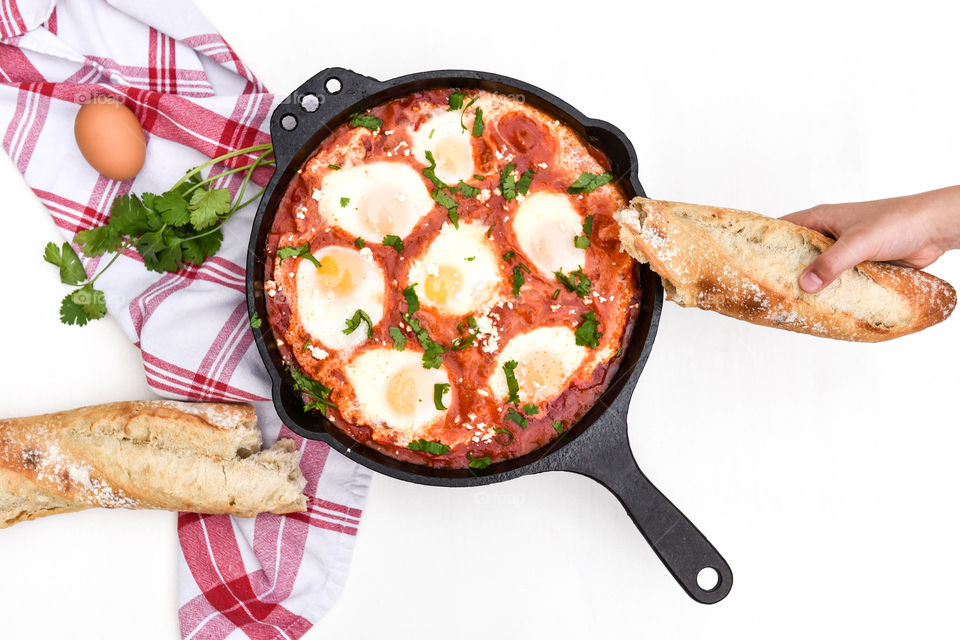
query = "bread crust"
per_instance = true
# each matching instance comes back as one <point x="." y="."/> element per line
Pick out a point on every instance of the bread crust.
<point x="200" y="457"/>
<point x="746" y="266"/>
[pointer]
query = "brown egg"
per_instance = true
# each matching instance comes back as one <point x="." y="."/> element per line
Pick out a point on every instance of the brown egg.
<point x="110" y="138"/>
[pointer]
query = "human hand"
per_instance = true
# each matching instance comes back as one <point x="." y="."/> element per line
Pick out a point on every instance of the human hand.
<point x="910" y="231"/>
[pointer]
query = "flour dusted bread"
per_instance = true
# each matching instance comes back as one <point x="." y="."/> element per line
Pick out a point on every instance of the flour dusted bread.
<point x="200" y="457"/>
<point x="746" y="266"/>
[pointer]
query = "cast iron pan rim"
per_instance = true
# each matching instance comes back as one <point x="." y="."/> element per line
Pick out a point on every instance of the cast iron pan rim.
<point x="539" y="459"/>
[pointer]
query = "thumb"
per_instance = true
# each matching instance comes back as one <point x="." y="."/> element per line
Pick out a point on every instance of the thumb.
<point x="845" y="253"/>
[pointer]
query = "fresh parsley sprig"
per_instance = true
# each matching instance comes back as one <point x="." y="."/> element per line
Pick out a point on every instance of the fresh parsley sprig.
<point x="183" y="225"/>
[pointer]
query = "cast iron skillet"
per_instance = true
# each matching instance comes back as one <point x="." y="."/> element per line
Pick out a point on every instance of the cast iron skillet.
<point x="597" y="445"/>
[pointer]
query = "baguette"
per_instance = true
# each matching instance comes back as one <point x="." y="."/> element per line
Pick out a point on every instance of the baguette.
<point x="179" y="456"/>
<point x="746" y="266"/>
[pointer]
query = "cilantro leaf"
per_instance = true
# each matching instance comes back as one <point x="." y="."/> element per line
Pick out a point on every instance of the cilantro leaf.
<point x="577" y="282"/>
<point x="588" y="225"/>
<point x="393" y="241"/>
<point x="302" y="251"/>
<point x="587" y="334"/>
<point x="509" y="255"/>
<point x="513" y="387"/>
<point x="557" y="426"/>
<point x="172" y="207"/>
<point x="82" y="305"/>
<point x="319" y="393"/>
<point x="477" y="130"/>
<point x="531" y="409"/>
<point x="430" y="172"/>
<point x="448" y="203"/>
<point x="344" y="202"/>
<point x="359" y="243"/>
<point x="129" y="217"/>
<point x="587" y="182"/>
<point x="516" y="416"/>
<point x="71" y="269"/>
<point x="478" y="463"/>
<point x="413" y="302"/>
<point x="438" y="390"/>
<point x="399" y="339"/>
<point x="459" y="344"/>
<point x="467" y="190"/>
<point x="206" y="207"/>
<point x="523" y="184"/>
<point x="255" y="321"/>
<point x="429" y="446"/>
<point x="456" y="101"/>
<point x="518" y="281"/>
<point x="99" y="240"/>
<point x="334" y="167"/>
<point x="508" y="185"/>
<point x="581" y="242"/>
<point x="505" y="431"/>
<point x="464" y="110"/>
<point x="366" y="121"/>
<point x="198" y="249"/>
<point x="354" y="323"/>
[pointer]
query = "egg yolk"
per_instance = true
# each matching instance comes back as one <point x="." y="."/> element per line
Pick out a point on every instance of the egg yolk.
<point x="402" y="394"/>
<point x="540" y="374"/>
<point x="335" y="274"/>
<point x="441" y="286"/>
<point x="454" y="158"/>
<point x="380" y="207"/>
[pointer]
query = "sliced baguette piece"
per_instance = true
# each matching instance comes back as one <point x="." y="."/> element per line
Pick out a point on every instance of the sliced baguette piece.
<point x="746" y="266"/>
<point x="179" y="456"/>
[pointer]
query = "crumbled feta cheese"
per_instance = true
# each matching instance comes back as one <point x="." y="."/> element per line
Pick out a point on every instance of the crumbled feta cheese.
<point x="318" y="353"/>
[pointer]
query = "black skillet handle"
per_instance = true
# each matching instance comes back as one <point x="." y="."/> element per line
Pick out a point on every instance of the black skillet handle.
<point x="602" y="452"/>
<point x="315" y="108"/>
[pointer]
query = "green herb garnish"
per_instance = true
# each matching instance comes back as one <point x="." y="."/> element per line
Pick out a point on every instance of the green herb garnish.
<point x="353" y="323"/>
<point x="319" y="393"/>
<point x="399" y="338"/>
<point x="438" y="390"/>
<point x="503" y="430"/>
<point x="255" y="321"/>
<point x="588" y="225"/>
<point x="508" y="256"/>
<point x="577" y="281"/>
<point x="531" y="409"/>
<point x="518" y="281"/>
<point x="455" y="101"/>
<point x="367" y="122"/>
<point x="516" y="416"/>
<point x="513" y="387"/>
<point x="523" y="184"/>
<point x="557" y="426"/>
<point x="444" y="200"/>
<point x="431" y="172"/>
<point x="587" y="182"/>
<point x="429" y="446"/>
<point x="467" y="190"/>
<point x="359" y="243"/>
<point x="335" y="167"/>
<point x="587" y="334"/>
<point x="303" y="251"/>
<point x="478" y="463"/>
<point x="71" y="269"/>
<point x="393" y="241"/>
<point x="556" y="294"/>
<point x="508" y="185"/>
<point x="581" y="242"/>
<point x="477" y="123"/>
<point x="344" y="202"/>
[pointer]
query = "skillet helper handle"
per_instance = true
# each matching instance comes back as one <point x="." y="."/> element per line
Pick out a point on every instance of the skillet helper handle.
<point x="677" y="542"/>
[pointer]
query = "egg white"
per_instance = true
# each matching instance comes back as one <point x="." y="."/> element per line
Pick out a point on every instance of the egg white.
<point x="450" y="144"/>
<point x="347" y="280"/>
<point x="545" y="225"/>
<point x="474" y="283"/>
<point x="374" y="200"/>
<point x="388" y="382"/>
<point x="546" y="359"/>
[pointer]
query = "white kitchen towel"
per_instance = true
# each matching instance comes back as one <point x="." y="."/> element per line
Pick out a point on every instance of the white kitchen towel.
<point x="263" y="578"/>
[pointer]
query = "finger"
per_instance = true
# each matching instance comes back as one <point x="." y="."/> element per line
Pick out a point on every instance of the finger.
<point x="810" y="218"/>
<point x="845" y="253"/>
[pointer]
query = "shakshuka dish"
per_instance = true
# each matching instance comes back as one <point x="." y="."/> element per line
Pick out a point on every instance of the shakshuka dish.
<point x="445" y="281"/>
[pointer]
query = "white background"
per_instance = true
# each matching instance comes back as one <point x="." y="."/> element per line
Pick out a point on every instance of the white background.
<point x="824" y="472"/>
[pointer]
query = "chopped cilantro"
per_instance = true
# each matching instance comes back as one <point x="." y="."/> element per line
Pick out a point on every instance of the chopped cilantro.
<point x="431" y="172"/>
<point x="477" y="176"/>
<point x="513" y="387"/>
<point x="581" y="242"/>
<point x="359" y="243"/>
<point x="354" y="323"/>
<point x="478" y="463"/>
<point x="335" y="167"/>
<point x="531" y="409"/>
<point x="588" y="225"/>
<point x="318" y="392"/>
<point x="477" y="123"/>
<point x="516" y="416"/>
<point x="587" y="334"/>
<point x="587" y="182"/>
<point x="413" y="302"/>
<point x="558" y="426"/>
<point x="470" y="258"/>
<point x="556" y="294"/>
<point x="438" y="390"/>
<point x="464" y="110"/>
<point x="306" y="345"/>
<point x="577" y="281"/>
<point x="303" y="251"/>
<point x="523" y="184"/>
<point x="455" y="101"/>
<point x="618" y="353"/>
<point x="344" y="202"/>
<point x="518" y="281"/>
<point x="508" y="256"/>
<point x="505" y="431"/>
<point x="429" y="446"/>
<point x="444" y="200"/>
<point x="71" y="269"/>
<point x="467" y="190"/>
<point x="399" y="339"/>
<point x="393" y="241"/>
<point x="367" y="122"/>
<point x="508" y="185"/>
<point x="255" y="320"/>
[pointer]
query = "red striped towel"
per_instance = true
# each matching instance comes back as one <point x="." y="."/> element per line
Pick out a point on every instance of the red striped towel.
<point x="264" y="578"/>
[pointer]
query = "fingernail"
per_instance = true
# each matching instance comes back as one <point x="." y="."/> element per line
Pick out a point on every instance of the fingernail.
<point x="810" y="282"/>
